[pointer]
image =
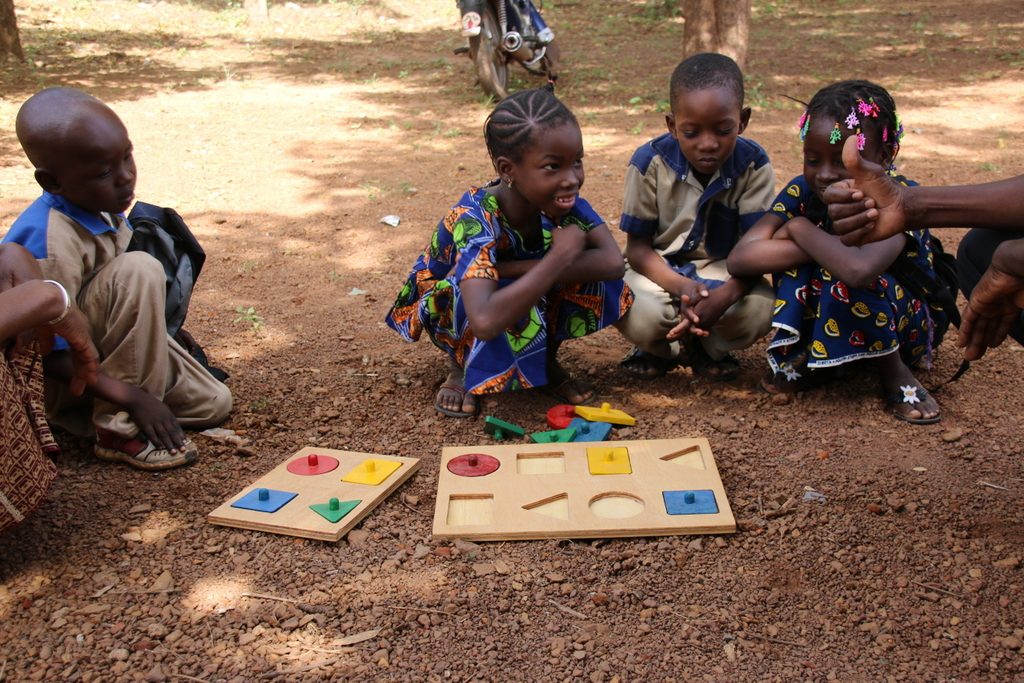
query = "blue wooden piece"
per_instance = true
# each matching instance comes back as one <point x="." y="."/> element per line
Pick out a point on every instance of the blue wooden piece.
<point x="264" y="500"/>
<point x="690" y="502"/>
<point x="590" y="431"/>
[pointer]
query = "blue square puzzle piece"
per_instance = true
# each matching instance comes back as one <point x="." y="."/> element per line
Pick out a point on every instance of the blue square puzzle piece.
<point x="264" y="500"/>
<point x="690" y="502"/>
<point x="590" y="431"/>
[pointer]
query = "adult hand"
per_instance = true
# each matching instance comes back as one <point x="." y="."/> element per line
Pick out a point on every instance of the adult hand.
<point x="868" y="207"/>
<point x="156" y="421"/>
<point x="994" y="306"/>
<point x="85" y="362"/>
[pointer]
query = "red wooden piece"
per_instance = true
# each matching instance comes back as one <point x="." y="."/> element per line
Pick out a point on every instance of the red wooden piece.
<point x="560" y="416"/>
<point x="312" y="464"/>
<point x="473" y="465"/>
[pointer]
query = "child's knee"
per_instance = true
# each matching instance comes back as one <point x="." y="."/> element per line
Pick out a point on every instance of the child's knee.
<point x="138" y="270"/>
<point x="648" y="320"/>
<point x="219" y="404"/>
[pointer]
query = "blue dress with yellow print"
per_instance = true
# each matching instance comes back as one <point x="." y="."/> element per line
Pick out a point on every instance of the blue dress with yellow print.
<point x="821" y="322"/>
<point x="469" y="242"/>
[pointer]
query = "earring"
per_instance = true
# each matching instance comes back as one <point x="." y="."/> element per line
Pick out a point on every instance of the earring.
<point x="508" y="182"/>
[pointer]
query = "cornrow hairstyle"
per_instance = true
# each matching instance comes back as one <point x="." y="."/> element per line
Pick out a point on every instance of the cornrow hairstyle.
<point x="509" y="128"/>
<point x="706" y="70"/>
<point x="860" y="106"/>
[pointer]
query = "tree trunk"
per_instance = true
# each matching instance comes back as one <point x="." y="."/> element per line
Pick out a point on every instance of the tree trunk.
<point x="717" y="26"/>
<point x="10" y="42"/>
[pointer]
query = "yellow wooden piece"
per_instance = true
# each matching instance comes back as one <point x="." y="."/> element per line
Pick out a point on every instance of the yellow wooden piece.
<point x="604" y="460"/>
<point x="605" y="414"/>
<point x="371" y="472"/>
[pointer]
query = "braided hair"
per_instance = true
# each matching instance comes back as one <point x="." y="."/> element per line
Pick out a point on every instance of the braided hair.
<point x="509" y="128"/>
<point x="860" y="106"/>
<point x="706" y="70"/>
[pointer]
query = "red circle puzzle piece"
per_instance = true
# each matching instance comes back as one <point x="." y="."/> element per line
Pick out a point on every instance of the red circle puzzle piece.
<point x="559" y="417"/>
<point x="473" y="465"/>
<point x="312" y="464"/>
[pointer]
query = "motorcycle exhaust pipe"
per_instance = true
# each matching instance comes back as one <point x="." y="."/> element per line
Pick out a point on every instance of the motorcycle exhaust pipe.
<point x="514" y="44"/>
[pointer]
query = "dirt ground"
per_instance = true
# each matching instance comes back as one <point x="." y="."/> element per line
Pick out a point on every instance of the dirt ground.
<point x="283" y="144"/>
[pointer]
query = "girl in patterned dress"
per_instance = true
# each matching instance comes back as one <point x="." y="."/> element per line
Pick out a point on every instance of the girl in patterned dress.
<point x="516" y="267"/>
<point x="836" y="304"/>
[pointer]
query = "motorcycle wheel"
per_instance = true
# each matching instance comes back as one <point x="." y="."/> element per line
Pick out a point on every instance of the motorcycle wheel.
<point x="488" y="56"/>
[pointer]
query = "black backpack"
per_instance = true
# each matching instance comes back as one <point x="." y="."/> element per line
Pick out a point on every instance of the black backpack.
<point x="161" y="233"/>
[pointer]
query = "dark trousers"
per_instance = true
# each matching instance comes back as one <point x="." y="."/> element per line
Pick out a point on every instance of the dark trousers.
<point x="973" y="258"/>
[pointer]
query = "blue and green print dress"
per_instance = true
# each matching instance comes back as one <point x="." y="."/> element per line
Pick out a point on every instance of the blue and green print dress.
<point x="469" y="242"/>
<point x="821" y="322"/>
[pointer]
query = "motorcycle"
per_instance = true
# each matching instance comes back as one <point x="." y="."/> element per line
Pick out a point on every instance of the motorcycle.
<point x="500" y="32"/>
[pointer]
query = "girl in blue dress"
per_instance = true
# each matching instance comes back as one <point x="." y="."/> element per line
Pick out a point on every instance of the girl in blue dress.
<point x="836" y="304"/>
<point x="516" y="267"/>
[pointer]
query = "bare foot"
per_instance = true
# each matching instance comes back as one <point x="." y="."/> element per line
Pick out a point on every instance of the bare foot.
<point x="908" y="400"/>
<point x="452" y="399"/>
<point x="562" y="385"/>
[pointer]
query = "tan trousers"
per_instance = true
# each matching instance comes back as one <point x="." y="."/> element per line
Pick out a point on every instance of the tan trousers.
<point x="124" y="303"/>
<point x="655" y="312"/>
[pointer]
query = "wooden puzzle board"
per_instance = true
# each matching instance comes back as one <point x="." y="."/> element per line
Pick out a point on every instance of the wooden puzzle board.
<point x="296" y="518"/>
<point x="547" y="491"/>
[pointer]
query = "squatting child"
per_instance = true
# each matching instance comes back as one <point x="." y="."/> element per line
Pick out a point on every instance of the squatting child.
<point x="516" y="267"/>
<point x="837" y="304"/>
<point x="149" y="386"/>
<point x="690" y="194"/>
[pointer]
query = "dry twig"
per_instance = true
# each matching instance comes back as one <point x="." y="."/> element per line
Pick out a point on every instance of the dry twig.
<point x="420" y="609"/>
<point x="934" y="588"/>
<point x="264" y="596"/>
<point x="571" y="612"/>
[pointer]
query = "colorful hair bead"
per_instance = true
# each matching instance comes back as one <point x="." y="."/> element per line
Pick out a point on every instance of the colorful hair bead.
<point x="861" y="141"/>
<point x="885" y="133"/>
<point x="851" y="120"/>
<point x="804" y="124"/>
<point x="835" y="136"/>
<point x="868" y="108"/>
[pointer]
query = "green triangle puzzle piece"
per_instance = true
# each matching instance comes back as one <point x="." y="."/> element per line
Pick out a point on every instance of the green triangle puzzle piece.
<point x="500" y="429"/>
<point x="334" y="510"/>
<point x="555" y="435"/>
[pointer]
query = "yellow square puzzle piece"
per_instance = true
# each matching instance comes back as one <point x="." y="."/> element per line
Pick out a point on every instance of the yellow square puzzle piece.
<point x="605" y="460"/>
<point x="371" y="471"/>
<point x="605" y="414"/>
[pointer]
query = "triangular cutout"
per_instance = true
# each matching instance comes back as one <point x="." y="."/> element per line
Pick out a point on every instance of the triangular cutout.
<point x="556" y="506"/>
<point x="690" y="457"/>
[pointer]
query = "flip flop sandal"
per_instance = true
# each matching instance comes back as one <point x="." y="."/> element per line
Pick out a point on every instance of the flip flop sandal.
<point x="645" y="365"/>
<point x="141" y="454"/>
<point x="910" y="395"/>
<point x="461" y="391"/>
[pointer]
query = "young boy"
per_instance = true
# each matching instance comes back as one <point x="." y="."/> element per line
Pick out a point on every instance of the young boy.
<point x="148" y="385"/>
<point x="690" y="194"/>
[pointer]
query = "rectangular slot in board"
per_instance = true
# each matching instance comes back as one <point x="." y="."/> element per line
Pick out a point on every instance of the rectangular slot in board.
<point x="470" y="510"/>
<point x="540" y="463"/>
